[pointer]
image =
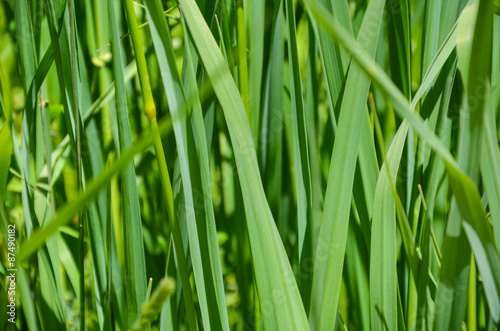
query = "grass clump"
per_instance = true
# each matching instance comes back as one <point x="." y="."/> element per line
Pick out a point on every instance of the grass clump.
<point x="268" y="165"/>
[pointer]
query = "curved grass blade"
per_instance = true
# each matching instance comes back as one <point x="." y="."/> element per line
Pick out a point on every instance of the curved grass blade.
<point x="201" y="227"/>
<point x="278" y="293"/>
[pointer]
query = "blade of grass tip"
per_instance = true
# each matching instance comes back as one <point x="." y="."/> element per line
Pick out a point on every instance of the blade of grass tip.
<point x="135" y="268"/>
<point x="301" y="148"/>
<point x="148" y="290"/>
<point x="150" y="112"/>
<point x="202" y="240"/>
<point x="333" y="232"/>
<point x="278" y="292"/>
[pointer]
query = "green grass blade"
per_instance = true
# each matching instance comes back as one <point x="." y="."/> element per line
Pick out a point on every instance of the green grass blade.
<point x="256" y="56"/>
<point x="333" y="232"/>
<point x="135" y="269"/>
<point x="272" y="269"/>
<point x="5" y="156"/>
<point x="272" y="119"/>
<point x="399" y="43"/>
<point x="383" y="280"/>
<point x="301" y="149"/>
<point x="150" y="112"/>
<point x="209" y="283"/>
<point x="490" y="170"/>
<point x="401" y="106"/>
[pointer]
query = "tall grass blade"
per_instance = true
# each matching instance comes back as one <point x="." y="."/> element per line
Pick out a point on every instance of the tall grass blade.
<point x="330" y="250"/>
<point x="272" y="269"/>
<point x="202" y="236"/>
<point x="301" y="149"/>
<point x="135" y="269"/>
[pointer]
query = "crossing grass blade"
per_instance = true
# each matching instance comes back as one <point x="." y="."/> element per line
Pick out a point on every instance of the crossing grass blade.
<point x="331" y="245"/>
<point x="201" y="226"/>
<point x="271" y="264"/>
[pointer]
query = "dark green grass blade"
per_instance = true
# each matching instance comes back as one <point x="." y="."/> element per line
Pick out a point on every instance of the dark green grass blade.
<point x="301" y="149"/>
<point x="272" y="119"/>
